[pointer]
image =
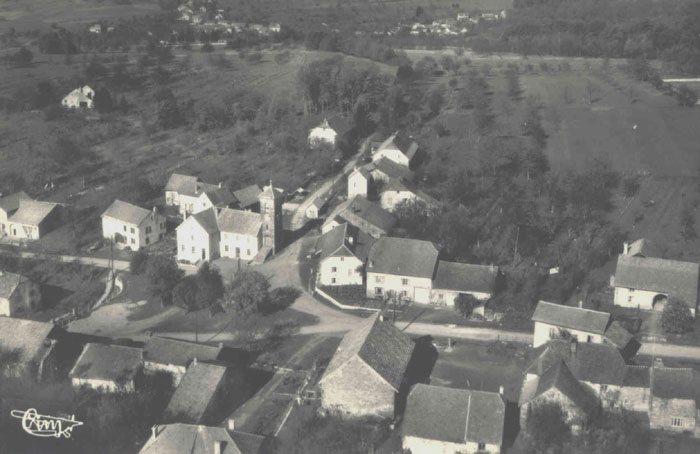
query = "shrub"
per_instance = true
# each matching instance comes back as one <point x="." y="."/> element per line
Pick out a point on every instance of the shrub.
<point x="138" y="262"/>
<point x="676" y="318"/>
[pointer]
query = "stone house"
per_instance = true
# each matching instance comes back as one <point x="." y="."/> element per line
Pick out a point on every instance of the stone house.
<point x="401" y="267"/>
<point x="33" y="219"/>
<point x="192" y="195"/>
<point x="647" y="282"/>
<point x="82" y="97"/>
<point x="367" y="370"/>
<point x="199" y="393"/>
<point x="131" y="226"/>
<point x="107" y="368"/>
<point x="342" y="255"/>
<point x="553" y="321"/>
<point x="8" y="206"/>
<point x="30" y="342"/>
<point x="174" y="356"/>
<point x="452" y="279"/>
<point x="452" y="421"/>
<point x="398" y="148"/>
<point x="363" y="214"/>
<point x="201" y="439"/>
<point x="18" y="294"/>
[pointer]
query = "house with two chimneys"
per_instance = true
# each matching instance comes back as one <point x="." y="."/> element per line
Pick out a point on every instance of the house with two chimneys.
<point x="411" y="270"/>
<point x="645" y="282"/>
<point x="130" y="226"/>
<point x="80" y="98"/>
<point x="22" y="218"/>
<point x="556" y="321"/>
<point x="18" y="294"/>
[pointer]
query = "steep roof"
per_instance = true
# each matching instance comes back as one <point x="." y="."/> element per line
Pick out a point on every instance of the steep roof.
<point x="220" y="197"/>
<point x="390" y="169"/>
<point x="636" y="377"/>
<point x="8" y="283"/>
<point x="27" y="336"/>
<point x="162" y="350"/>
<point x="195" y="392"/>
<point x="560" y="377"/>
<point x="673" y="383"/>
<point x="401" y="185"/>
<point x="126" y="212"/>
<point x="617" y="335"/>
<point x="239" y="221"/>
<point x="10" y="203"/>
<point x="190" y="439"/>
<point x="671" y="277"/>
<point x="207" y="219"/>
<point x="107" y="362"/>
<point x="643" y="247"/>
<point x="380" y="345"/>
<point x="465" y="277"/>
<point x="454" y="415"/>
<point x="334" y="243"/>
<point x="571" y="317"/>
<point x="401" y="142"/>
<point x="247" y="196"/>
<point x="594" y="363"/>
<point x="182" y="184"/>
<point x="358" y="210"/>
<point x="336" y="123"/>
<point x="32" y="212"/>
<point x="403" y="256"/>
<point x="362" y="171"/>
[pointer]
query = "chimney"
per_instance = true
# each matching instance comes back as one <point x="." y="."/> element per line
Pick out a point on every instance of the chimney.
<point x="381" y="318"/>
<point x="194" y="361"/>
<point x="221" y="345"/>
<point x="500" y="390"/>
<point x="625" y="248"/>
<point x="580" y="304"/>
<point x="154" y="431"/>
<point x="221" y="185"/>
<point x="218" y="447"/>
<point x="231" y="424"/>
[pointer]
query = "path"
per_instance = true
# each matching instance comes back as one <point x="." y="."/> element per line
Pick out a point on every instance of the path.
<point x="119" y="265"/>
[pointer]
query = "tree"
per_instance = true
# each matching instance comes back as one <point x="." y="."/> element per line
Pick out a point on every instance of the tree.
<point x="280" y="299"/>
<point x="210" y="286"/>
<point x="163" y="275"/>
<point x="676" y="317"/>
<point x="207" y="47"/>
<point x="547" y="428"/>
<point x="465" y="304"/>
<point x="138" y="262"/>
<point x="435" y="100"/>
<point x="185" y="294"/>
<point x="168" y="113"/>
<point x="248" y="292"/>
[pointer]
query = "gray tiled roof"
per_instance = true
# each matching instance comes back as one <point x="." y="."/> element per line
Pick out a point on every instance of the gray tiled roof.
<point x="671" y="277"/>
<point x="195" y="392"/>
<point x="674" y="383"/>
<point x="190" y="439"/>
<point x="636" y="377"/>
<point x="10" y="203"/>
<point x="32" y="212"/>
<point x="247" y="196"/>
<point x="182" y="184"/>
<point x="571" y="317"/>
<point x="108" y="362"/>
<point x="465" y="277"/>
<point x="403" y="257"/>
<point x="380" y="345"/>
<point x="126" y="212"/>
<point x="454" y="415"/>
<point x="389" y="168"/>
<point x="359" y="210"/>
<point x="8" y="283"/>
<point x="334" y="243"/>
<point x="401" y="142"/>
<point x="239" y="221"/>
<point x="560" y="377"/>
<point x="220" y="197"/>
<point x="177" y="352"/>
<point x="207" y="219"/>
<point x="617" y="335"/>
<point x="27" y="336"/>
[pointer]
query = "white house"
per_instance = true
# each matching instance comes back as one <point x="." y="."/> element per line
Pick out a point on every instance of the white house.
<point x="241" y="234"/>
<point x="322" y="133"/>
<point x="452" y="421"/>
<point x="82" y="97"/>
<point x="396" y="191"/>
<point x="342" y="255"/>
<point x="359" y="182"/>
<point x="398" y="148"/>
<point x="648" y="282"/>
<point x="385" y="169"/>
<point x="18" y="294"/>
<point x="33" y="219"/>
<point x="132" y="226"/>
<point x="198" y="237"/>
<point x="193" y="196"/>
<point x="452" y="279"/>
<point x="107" y="368"/>
<point x="8" y="206"/>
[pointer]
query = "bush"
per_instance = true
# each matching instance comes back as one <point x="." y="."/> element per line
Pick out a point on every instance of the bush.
<point x="138" y="262"/>
<point x="465" y="304"/>
<point x="163" y="275"/>
<point x="253" y="57"/>
<point x="676" y="317"/>
<point x="279" y="299"/>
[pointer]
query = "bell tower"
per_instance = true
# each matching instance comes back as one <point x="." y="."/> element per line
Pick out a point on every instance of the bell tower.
<point x="271" y="200"/>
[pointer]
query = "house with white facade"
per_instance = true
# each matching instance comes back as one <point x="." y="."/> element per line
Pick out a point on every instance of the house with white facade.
<point x="198" y="237"/>
<point x="192" y="195"/>
<point x="398" y="148"/>
<point x="82" y="97"/>
<point x="107" y="368"/>
<point x="33" y="219"/>
<point x="647" y="282"/>
<point x="452" y="421"/>
<point x="384" y="169"/>
<point x="342" y="253"/>
<point x="18" y="294"/>
<point x="397" y="191"/>
<point x="453" y="278"/>
<point x="359" y="183"/>
<point x="328" y="132"/>
<point x="8" y="206"/>
<point x="173" y="356"/>
<point x="131" y="226"/>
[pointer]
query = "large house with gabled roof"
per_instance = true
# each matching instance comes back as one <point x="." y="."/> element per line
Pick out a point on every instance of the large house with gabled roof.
<point x="33" y="219"/>
<point x="342" y="254"/>
<point x="8" y="206"/>
<point x="398" y="147"/>
<point x="367" y="370"/>
<point x="192" y="195"/>
<point x="131" y="226"/>
<point x="363" y="214"/>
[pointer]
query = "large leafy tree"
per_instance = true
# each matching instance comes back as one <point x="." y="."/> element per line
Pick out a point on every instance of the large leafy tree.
<point x="248" y="292"/>
<point x="163" y="275"/>
<point x="676" y="317"/>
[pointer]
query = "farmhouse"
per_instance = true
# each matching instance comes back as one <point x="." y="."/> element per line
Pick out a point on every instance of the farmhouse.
<point x="396" y="191"/>
<point x="241" y="234"/>
<point x="647" y="283"/>
<point x="161" y="354"/>
<point x="197" y="395"/>
<point x="554" y="321"/>
<point x="30" y="341"/>
<point x="33" y="219"/>
<point x="329" y="132"/>
<point x="453" y="421"/>
<point x="8" y="206"/>
<point x="132" y="226"/>
<point x="18" y="294"/>
<point x="199" y="439"/>
<point x="367" y="370"/>
<point x="82" y="97"/>
<point x="342" y="252"/>
<point x="193" y="196"/>
<point x="401" y="267"/>
<point x="398" y="148"/>
<point x="107" y="368"/>
<point x="452" y="279"/>
<point x="361" y="213"/>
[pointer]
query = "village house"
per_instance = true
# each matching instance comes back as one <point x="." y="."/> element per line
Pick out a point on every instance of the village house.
<point x="82" y="97"/>
<point x="398" y="148"/>
<point x="359" y="183"/>
<point x="8" y="206"/>
<point x="384" y="169"/>
<point x="363" y="214"/>
<point x="173" y="356"/>
<point x="241" y="234"/>
<point x="316" y="206"/>
<point x="453" y="421"/>
<point x="248" y="198"/>
<point x="192" y="195"/>
<point x="30" y="342"/>
<point x="396" y="191"/>
<point x="556" y="321"/>
<point x="199" y="393"/>
<point x="342" y="253"/>
<point x="673" y="400"/>
<point x="367" y="370"/>
<point x="641" y="248"/>
<point x="18" y="294"/>
<point x="647" y="282"/>
<point x="33" y="219"/>
<point x="132" y="226"/>
<point x="198" y="237"/>
<point x="107" y="368"/>
<point x="329" y="132"/>
<point x="200" y="439"/>
<point x="452" y="279"/>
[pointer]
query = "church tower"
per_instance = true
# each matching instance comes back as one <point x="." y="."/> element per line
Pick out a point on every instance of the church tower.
<point x="271" y="200"/>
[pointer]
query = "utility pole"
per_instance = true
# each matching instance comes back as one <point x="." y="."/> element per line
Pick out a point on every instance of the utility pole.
<point x="515" y="250"/>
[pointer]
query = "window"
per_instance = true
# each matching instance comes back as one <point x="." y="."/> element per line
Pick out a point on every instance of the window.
<point x="589" y="339"/>
<point x="379" y="279"/>
<point x="481" y="446"/>
<point x="332" y="280"/>
<point x="148" y="230"/>
<point x="247" y="251"/>
<point x="630" y="295"/>
<point x="193" y="249"/>
<point x="226" y="248"/>
<point x="404" y="293"/>
<point x="333" y="269"/>
<point x="676" y="422"/>
<point x="603" y="388"/>
<point x="133" y="241"/>
<point x="132" y="230"/>
<point x="125" y="228"/>
<point x="552" y="333"/>
<point x="377" y="290"/>
<point x="342" y="259"/>
<point x="404" y="281"/>
<point x="148" y="240"/>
